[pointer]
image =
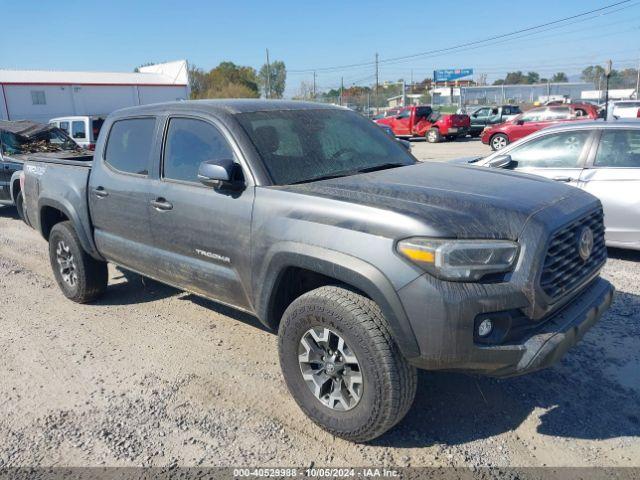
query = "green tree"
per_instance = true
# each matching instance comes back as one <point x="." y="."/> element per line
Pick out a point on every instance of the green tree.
<point x="560" y="77"/>
<point x="532" y="77"/>
<point x="593" y="74"/>
<point x="515" y="78"/>
<point x="227" y="80"/>
<point x="273" y="78"/>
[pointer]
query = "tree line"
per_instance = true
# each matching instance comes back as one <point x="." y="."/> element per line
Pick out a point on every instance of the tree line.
<point x="229" y="80"/>
<point x="595" y="74"/>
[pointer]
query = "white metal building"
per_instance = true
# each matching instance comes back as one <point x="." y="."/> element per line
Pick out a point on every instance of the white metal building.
<point x="39" y="95"/>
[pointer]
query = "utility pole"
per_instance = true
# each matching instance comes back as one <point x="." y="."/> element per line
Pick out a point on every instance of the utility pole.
<point x="411" y="84"/>
<point x="377" y="78"/>
<point x="341" y="89"/>
<point x="638" y="82"/>
<point x="268" y="92"/>
<point x="314" y="84"/>
<point x="607" y="73"/>
<point x="404" y="94"/>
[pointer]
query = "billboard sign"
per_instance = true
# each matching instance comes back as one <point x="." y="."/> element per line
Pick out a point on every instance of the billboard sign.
<point x="451" y="74"/>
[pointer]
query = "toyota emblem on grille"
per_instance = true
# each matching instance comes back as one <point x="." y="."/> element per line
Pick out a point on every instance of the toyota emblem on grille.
<point x="585" y="243"/>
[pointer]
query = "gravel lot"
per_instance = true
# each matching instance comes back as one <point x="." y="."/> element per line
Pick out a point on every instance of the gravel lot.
<point x="153" y="376"/>
<point x="467" y="147"/>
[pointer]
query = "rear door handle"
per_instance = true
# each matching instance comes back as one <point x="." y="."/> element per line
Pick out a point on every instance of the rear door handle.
<point x="100" y="192"/>
<point x="161" y="204"/>
<point x="563" y="179"/>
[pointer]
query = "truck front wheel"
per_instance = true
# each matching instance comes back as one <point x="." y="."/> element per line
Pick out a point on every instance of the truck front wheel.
<point x="342" y="366"/>
<point x="81" y="277"/>
<point x="433" y="135"/>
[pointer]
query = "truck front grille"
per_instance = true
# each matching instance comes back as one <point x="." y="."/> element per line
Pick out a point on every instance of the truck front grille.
<point x="563" y="267"/>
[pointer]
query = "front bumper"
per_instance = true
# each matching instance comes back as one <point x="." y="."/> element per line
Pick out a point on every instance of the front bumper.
<point x="454" y="348"/>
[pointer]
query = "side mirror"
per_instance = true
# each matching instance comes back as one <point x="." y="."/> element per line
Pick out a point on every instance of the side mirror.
<point x="406" y="144"/>
<point x="218" y="173"/>
<point x="501" y="161"/>
<point x="520" y="122"/>
<point x="475" y="115"/>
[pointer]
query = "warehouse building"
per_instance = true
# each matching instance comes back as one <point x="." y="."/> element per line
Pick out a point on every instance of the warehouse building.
<point x="40" y="95"/>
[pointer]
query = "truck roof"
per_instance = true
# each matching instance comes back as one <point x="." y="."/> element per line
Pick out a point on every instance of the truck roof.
<point x="232" y="106"/>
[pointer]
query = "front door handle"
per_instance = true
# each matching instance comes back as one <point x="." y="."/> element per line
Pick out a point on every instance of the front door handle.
<point x="161" y="204"/>
<point x="563" y="179"/>
<point x="100" y="192"/>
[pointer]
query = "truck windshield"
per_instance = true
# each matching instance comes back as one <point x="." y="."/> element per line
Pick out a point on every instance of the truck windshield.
<point x="49" y="140"/>
<point x="305" y="145"/>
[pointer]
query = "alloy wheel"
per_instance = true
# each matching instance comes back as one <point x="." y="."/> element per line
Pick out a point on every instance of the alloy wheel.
<point x="330" y="369"/>
<point x="66" y="264"/>
<point x="499" y="142"/>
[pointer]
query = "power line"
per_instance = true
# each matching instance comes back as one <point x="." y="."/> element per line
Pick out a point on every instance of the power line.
<point x="466" y="44"/>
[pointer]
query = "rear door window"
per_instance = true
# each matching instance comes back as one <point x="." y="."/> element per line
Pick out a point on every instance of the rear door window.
<point x="129" y="145"/>
<point x="619" y="149"/>
<point x="78" y="130"/>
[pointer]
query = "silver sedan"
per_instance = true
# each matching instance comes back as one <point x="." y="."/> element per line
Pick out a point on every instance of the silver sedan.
<point x="602" y="158"/>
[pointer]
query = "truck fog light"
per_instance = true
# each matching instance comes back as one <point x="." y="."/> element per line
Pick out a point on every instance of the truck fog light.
<point x="485" y="328"/>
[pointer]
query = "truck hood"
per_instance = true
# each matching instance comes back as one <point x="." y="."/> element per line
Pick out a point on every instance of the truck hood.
<point x="450" y="201"/>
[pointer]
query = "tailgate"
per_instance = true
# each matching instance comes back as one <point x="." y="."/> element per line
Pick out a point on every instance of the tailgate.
<point x="460" y="121"/>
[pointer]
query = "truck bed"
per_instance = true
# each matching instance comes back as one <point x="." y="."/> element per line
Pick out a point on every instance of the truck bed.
<point x="60" y="183"/>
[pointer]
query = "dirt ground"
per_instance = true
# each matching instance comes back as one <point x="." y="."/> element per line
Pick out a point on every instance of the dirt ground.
<point x="153" y="376"/>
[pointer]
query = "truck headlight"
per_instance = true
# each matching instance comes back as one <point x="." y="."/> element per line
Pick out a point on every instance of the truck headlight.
<point x="460" y="260"/>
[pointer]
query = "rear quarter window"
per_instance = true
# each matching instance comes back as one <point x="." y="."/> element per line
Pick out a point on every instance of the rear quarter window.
<point x="129" y="145"/>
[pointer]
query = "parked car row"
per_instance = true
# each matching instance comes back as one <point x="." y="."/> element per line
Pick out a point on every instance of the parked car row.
<point x="312" y="219"/>
<point x="500" y="135"/>
<point x="602" y="158"/>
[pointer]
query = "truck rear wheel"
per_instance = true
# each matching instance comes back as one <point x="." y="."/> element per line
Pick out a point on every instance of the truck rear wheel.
<point x="342" y="366"/>
<point x="81" y="277"/>
<point x="20" y="206"/>
<point x="433" y="135"/>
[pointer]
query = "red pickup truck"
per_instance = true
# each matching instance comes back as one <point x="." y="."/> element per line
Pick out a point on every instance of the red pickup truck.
<point x="423" y="121"/>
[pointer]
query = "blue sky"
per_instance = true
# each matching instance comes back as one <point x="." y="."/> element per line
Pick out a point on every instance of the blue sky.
<point x="119" y="35"/>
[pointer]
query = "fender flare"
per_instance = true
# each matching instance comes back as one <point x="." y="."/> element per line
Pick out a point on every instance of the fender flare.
<point x="15" y="177"/>
<point x="346" y="269"/>
<point x="64" y="206"/>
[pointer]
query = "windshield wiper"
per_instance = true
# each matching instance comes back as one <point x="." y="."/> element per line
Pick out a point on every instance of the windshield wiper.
<point x="323" y="177"/>
<point x="383" y="166"/>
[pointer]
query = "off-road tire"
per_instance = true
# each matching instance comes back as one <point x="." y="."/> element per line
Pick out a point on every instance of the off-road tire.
<point x="498" y="139"/>
<point x="20" y="206"/>
<point x="389" y="381"/>
<point x="433" y="135"/>
<point x="92" y="274"/>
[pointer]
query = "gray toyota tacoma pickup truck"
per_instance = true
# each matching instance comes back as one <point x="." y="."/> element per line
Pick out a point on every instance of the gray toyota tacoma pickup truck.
<point x="367" y="263"/>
